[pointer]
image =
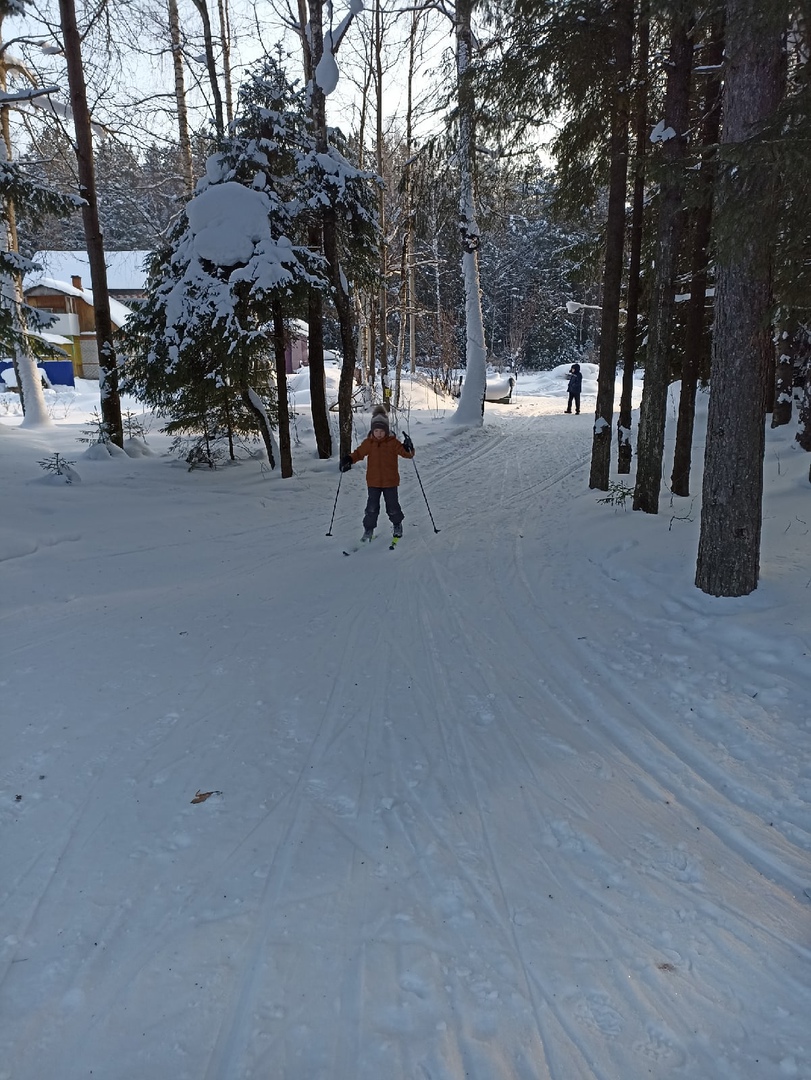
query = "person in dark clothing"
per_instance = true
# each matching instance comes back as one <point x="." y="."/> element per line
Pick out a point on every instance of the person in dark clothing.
<point x="382" y="449"/>
<point x="575" y="386"/>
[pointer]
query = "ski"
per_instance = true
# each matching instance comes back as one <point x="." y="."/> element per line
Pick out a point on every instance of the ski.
<point x="361" y="543"/>
<point x="393" y="543"/>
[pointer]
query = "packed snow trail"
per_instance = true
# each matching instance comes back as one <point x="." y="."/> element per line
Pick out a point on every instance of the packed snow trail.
<point x="468" y="827"/>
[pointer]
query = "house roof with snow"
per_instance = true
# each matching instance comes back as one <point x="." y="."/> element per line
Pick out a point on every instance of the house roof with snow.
<point x="119" y="312"/>
<point x="125" y="269"/>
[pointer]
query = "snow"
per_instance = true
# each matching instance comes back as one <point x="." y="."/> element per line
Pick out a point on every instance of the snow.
<point x="513" y="801"/>
<point x="227" y="221"/>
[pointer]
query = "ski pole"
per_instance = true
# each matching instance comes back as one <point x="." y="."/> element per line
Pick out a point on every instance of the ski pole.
<point x="337" y="493"/>
<point x="422" y="489"/>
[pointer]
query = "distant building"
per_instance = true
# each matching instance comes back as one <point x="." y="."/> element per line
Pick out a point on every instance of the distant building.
<point x="75" y="322"/>
<point x="126" y="273"/>
<point x="58" y="289"/>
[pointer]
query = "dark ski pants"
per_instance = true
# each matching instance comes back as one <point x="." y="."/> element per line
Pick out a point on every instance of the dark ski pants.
<point x="573" y="398"/>
<point x="373" y="506"/>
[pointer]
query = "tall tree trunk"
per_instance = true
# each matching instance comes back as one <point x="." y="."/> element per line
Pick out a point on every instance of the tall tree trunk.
<point x="279" y="342"/>
<point x="211" y="65"/>
<point x="731" y="516"/>
<point x="658" y="364"/>
<point x="695" y="335"/>
<point x="382" y="292"/>
<point x="411" y="260"/>
<point x="180" y="98"/>
<point x="225" y="39"/>
<point x="311" y="37"/>
<point x="641" y="141"/>
<point x="329" y="225"/>
<point x="614" y="245"/>
<point x="108" y="369"/>
<point x="29" y="384"/>
<point x="471" y="401"/>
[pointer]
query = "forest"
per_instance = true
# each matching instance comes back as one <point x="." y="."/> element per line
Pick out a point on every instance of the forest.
<point x="433" y="188"/>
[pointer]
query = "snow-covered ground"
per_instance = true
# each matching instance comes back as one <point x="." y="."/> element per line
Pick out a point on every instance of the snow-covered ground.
<point x="514" y="800"/>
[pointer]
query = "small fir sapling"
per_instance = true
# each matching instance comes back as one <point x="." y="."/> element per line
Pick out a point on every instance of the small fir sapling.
<point x="60" y="466"/>
<point x="97" y="431"/>
<point x="617" y="495"/>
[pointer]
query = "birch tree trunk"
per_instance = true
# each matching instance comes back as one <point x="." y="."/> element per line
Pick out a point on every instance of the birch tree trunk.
<point x="614" y="246"/>
<point x="29" y="384"/>
<point x="728" y="561"/>
<point x="653" y="412"/>
<point x="470" y="410"/>
<point x="180" y="98"/>
<point x="108" y="367"/>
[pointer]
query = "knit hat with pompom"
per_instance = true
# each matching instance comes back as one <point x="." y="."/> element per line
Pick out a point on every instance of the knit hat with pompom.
<point x="380" y="419"/>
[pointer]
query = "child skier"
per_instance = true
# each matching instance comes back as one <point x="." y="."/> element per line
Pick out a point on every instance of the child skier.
<point x="382" y="475"/>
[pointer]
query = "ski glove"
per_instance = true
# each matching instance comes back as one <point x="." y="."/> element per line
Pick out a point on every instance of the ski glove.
<point x="408" y="445"/>
<point x="346" y="463"/>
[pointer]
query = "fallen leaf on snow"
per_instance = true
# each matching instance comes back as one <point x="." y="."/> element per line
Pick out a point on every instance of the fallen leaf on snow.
<point x="201" y="796"/>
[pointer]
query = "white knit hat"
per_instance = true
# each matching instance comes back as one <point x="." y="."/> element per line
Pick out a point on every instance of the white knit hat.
<point x="380" y="419"/>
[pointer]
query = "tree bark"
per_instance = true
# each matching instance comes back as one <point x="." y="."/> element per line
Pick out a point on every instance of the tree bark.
<point x="180" y="98"/>
<point x="653" y="411"/>
<point x="29" y="384"/>
<point x="283" y="406"/>
<point x="614" y="246"/>
<point x="211" y="65"/>
<point x="108" y="368"/>
<point x="225" y="38"/>
<point x="731" y="517"/>
<point x="786" y="342"/>
<point x="695" y="335"/>
<point x="624" y="446"/>
<point x="471" y="401"/>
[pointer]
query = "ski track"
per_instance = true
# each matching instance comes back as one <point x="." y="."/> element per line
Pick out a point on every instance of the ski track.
<point x="457" y="827"/>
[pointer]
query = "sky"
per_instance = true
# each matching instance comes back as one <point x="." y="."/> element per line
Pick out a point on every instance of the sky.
<point x="514" y="801"/>
<point x="144" y="65"/>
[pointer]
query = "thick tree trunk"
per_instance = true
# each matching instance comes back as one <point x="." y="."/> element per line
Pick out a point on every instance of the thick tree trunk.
<point x="695" y="334"/>
<point x="731" y="516"/>
<point x="108" y="369"/>
<point x="614" y="245"/>
<point x="641" y="140"/>
<point x="471" y="401"/>
<point x="658" y="365"/>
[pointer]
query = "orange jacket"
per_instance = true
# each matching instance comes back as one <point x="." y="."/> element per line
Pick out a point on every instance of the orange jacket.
<point x="381" y="468"/>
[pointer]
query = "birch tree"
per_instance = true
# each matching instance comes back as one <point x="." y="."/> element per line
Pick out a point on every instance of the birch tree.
<point x="470" y="410"/>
